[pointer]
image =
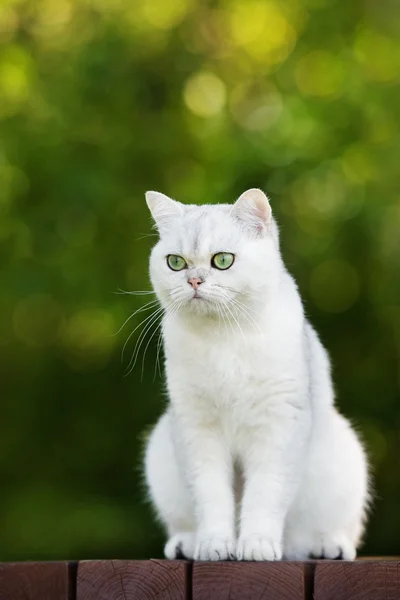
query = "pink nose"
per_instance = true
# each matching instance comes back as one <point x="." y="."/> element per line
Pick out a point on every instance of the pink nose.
<point x="195" y="282"/>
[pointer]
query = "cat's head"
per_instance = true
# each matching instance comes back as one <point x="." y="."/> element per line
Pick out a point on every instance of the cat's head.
<point x="214" y="259"/>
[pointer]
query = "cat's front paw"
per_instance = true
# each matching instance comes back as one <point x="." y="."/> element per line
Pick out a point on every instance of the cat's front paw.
<point x="332" y="547"/>
<point x="254" y="547"/>
<point x="180" y="546"/>
<point x="215" y="548"/>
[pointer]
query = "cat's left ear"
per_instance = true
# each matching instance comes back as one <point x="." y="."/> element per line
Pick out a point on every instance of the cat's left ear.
<point x="253" y="209"/>
<point x="163" y="209"/>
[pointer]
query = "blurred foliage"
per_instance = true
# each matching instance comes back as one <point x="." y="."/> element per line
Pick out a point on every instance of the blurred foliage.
<point x="103" y="99"/>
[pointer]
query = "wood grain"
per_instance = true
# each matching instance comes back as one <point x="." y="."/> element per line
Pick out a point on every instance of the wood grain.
<point x="249" y="581"/>
<point x="360" y="580"/>
<point x="366" y="579"/>
<point x="34" y="581"/>
<point x="133" y="580"/>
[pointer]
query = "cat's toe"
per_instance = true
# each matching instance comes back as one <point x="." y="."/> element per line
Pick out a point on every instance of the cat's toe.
<point x="215" y="548"/>
<point x="258" y="548"/>
<point x="333" y="548"/>
<point x="180" y="546"/>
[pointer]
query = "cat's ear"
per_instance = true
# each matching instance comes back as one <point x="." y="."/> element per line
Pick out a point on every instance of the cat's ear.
<point x="253" y="209"/>
<point x="163" y="209"/>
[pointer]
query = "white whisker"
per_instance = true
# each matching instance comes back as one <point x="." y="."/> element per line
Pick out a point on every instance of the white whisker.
<point x="141" y="323"/>
<point x="169" y="316"/>
<point x="151" y="337"/>
<point x="242" y="310"/>
<point x="220" y="314"/>
<point x="237" y="322"/>
<point x="222" y="289"/>
<point x="226" y="315"/>
<point x="134" y="293"/>
<point x="146" y="235"/>
<point x="155" y="317"/>
<point x="147" y="345"/>
<point x="159" y="343"/>
<point x="147" y="306"/>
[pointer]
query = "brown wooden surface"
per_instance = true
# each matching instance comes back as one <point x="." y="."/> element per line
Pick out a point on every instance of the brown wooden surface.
<point x="360" y="580"/>
<point x="34" y="581"/>
<point x="133" y="580"/>
<point x="249" y="581"/>
<point x="367" y="579"/>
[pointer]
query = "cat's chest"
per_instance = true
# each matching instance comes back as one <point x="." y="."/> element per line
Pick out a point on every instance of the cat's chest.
<point x="221" y="369"/>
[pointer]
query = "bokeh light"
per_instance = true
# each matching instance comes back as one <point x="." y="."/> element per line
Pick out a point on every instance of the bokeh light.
<point x="205" y="94"/>
<point x="319" y="74"/>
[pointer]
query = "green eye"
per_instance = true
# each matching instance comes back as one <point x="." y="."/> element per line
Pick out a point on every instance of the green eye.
<point x="223" y="260"/>
<point x="175" y="262"/>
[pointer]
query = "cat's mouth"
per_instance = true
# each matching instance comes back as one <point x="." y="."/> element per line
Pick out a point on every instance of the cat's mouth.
<point x="196" y="296"/>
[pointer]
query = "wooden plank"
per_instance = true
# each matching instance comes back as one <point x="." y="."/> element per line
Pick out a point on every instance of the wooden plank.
<point x="34" y="581"/>
<point x="360" y="580"/>
<point x="250" y="581"/>
<point x="133" y="580"/>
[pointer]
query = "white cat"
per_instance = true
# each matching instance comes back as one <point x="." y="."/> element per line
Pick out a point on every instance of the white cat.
<point x="251" y="459"/>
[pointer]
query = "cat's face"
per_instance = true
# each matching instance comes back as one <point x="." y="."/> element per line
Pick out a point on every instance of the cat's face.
<point x="213" y="260"/>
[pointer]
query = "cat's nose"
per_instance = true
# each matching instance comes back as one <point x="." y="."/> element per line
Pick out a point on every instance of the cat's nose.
<point x="195" y="282"/>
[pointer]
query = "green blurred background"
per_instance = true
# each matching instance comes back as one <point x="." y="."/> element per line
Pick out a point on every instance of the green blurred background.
<point x="101" y="100"/>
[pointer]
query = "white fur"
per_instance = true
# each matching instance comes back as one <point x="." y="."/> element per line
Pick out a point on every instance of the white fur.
<point x="251" y="459"/>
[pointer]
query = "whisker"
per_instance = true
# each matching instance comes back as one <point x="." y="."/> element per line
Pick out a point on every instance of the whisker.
<point x="249" y="318"/>
<point x="141" y="323"/>
<point x="155" y="317"/>
<point x="175" y="291"/>
<point x="248" y="308"/>
<point x="147" y="345"/>
<point x="143" y="335"/>
<point x="169" y="316"/>
<point x="226" y="314"/>
<point x="222" y="288"/>
<point x="159" y="343"/>
<point x="158" y="365"/>
<point x="146" y="235"/>
<point x="220" y="314"/>
<point x="242" y="310"/>
<point x="237" y="322"/>
<point x="147" y="306"/>
<point x="134" y="293"/>
<point x="238" y="303"/>
<point x="225" y="287"/>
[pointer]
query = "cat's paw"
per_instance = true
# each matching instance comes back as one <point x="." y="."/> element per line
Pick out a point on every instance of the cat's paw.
<point x="333" y="548"/>
<point x="180" y="545"/>
<point x="254" y="547"/>
<point x="215" y="548"/>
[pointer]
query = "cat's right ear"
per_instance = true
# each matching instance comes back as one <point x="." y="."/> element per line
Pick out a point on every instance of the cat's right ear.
<point x="163" y="209"/>
<point x="253" y="210"/>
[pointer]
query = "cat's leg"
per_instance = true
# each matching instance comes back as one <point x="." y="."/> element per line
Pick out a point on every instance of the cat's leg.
<point x="208" y="466"/>
<point x="169" y="492"/>
<point x="200" y="522"/>
<point x="327" y="516"/>
<point x="272" y="464"/>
